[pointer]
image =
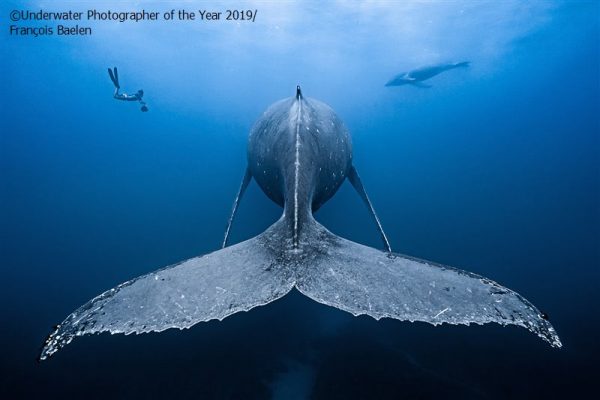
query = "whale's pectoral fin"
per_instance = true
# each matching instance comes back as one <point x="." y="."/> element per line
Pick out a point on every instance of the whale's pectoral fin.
<point x="420" y="84"/>
<point x="354" y="179"/>
<point x="245" y="181"/>
<point x="362" y="280"/>
<point x="214" y="286"/>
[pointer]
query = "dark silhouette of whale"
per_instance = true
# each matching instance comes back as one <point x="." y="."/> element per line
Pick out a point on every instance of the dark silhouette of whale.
<point x="417" y="76"/>
<point x="299" y="153"/>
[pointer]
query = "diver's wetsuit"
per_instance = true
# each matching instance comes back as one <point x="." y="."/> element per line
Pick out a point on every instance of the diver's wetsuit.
<point x="114" y="77"/>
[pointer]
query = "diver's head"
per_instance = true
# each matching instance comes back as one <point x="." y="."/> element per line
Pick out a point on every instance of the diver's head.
<point x="144" y="108"/>
<point x="140" y="93"/>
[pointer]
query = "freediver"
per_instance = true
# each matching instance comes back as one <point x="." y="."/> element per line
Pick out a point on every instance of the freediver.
<point x="114" y="77"/>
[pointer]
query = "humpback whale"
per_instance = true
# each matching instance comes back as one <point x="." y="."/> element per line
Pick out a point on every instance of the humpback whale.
<point x="299" y="153"/>
<point x="417" y="76"/>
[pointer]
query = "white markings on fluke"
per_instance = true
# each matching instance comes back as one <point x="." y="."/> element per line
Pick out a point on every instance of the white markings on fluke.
<point x="441" y="312"/>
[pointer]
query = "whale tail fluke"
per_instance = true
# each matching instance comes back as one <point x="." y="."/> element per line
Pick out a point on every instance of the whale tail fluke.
<point x="462" y="64"/>
<point x="325" y="267"/>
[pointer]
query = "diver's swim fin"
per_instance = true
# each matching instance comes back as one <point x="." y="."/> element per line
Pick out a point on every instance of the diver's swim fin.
<point x="358" y="186"/>
<point x="245" y="181"/>
<point x="114" y="77"/>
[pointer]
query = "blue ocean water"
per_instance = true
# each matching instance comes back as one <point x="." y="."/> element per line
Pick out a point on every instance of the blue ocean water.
<point x="495" y="169"/>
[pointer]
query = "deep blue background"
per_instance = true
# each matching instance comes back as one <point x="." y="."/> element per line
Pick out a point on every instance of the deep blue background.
<point x="495" y="170"/>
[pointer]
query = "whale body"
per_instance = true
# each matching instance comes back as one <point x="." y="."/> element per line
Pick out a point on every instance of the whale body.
<point x="417" y="76"/>
<point x="299" y="153"/>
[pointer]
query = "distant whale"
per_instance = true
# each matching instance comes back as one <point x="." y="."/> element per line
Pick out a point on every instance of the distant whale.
<point x="299" y="153"/>
<point x="417" y="76"/>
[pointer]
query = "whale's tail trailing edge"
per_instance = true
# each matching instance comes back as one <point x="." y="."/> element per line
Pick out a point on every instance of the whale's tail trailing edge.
<point x="326" y="268"/>
<point x="362" y="280"/>
<point x="213" y="286"/>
